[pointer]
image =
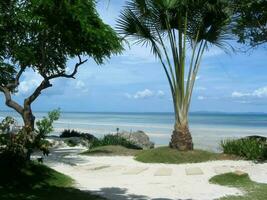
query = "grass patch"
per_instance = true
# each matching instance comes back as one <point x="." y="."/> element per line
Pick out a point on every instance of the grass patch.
<point x="254" y="191"/>
<point x="173" y="156"/>
<point x="248" y="148"/>
<point x="38" y="182"/>
<point x="111" y="150"/>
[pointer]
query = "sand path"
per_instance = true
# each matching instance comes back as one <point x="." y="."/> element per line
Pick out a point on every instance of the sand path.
<point x="123" y="178"/>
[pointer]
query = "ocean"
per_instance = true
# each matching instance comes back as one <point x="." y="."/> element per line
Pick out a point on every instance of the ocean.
<point x="207" y="129"/>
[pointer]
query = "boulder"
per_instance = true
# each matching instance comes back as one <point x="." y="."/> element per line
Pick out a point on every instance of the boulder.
<point x="139" y="138"/>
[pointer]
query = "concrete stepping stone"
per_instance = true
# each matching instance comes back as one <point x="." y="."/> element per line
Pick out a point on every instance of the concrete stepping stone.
<point x="98" y="167"/>
<point x="193" y="171"/>
<point x="163" y="172"/>
<point x="135" y="170"/>
<point x="239" y="172"/>
<point x="222" y="169"/>
<point x="114" y="168"/>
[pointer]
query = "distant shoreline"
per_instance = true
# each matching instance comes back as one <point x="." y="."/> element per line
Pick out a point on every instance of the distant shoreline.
<point x="148" y="113"/>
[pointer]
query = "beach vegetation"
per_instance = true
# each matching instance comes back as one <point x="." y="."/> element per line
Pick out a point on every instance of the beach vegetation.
<point x="16" y="146"/>
<point x="67" y="133"/>
<point x="40" y="36"/>
<point x="172" y="156"/>
<point x="110" y="139"/>
<point x="38" y="182"/>
<point x="248" y="148"/>
<point x="178" y="33"/>
<point x="251" y="189"/>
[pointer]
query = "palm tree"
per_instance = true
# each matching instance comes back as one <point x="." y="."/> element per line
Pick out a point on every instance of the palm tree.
<point x="169" y="27"/>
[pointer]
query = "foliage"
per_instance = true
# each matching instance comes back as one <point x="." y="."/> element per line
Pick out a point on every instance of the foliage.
<point x="41" y="36"/>
<point x="38" y="182"/>
<point x="45" y="125"/>
<point x="250" y="21"/>
<point x="172" y="156"/>
<point x="72" y="133"/>
<point x="7" y="124"/>
<point x="17" y="147"/>
<point x="253" y="190"/>
<point x="168" y="27"/>
<point x="113" y="140"/>
<point x="249" y="148"/>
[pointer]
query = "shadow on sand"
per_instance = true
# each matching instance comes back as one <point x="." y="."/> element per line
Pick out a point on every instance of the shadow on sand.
<point x="114" y="193"/>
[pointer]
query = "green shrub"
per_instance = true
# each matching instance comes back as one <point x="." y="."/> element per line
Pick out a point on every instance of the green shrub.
<point x="249" y="148"/>
<point x="72" y="133"/>
<point x="113" y="140"/>
<point x="17" y="146"/>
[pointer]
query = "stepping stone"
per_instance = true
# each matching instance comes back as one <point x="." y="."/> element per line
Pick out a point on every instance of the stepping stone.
<point x="163" y="172"/>
<point x="114" y="168"/>
<point x="222" y="169"/>
<point x="135" y="171"/>
<point x="239" y="173"/>
<point x="193" y="171"/>
<point x="99" y="167"/>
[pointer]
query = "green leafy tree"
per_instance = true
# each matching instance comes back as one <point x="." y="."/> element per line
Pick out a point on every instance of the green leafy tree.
<point x="171" y="28"/>
<point x="250" y="21"/>
<point x="42" y="35"/>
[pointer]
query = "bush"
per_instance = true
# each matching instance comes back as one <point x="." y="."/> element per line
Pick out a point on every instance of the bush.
<point x="249" y="148"/>
<point x="72" y="133"/>
<point x="113" y="140"/>
<point x="16" y="146"/>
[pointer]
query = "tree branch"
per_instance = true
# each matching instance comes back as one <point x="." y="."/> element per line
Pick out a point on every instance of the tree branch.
<point x="46" y="82"/>
<point x="12" y="86"/>
<point x="9" y="102"/>
<point x="81" y="62"/>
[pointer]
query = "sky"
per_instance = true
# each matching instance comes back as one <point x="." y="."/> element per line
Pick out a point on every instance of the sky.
<point x="135" y="81"/>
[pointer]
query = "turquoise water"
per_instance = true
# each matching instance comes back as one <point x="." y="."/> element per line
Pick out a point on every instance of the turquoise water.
<point x="208" y="129"/>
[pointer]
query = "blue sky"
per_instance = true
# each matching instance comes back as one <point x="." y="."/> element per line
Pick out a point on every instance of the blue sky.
<point x="135" y="82"/>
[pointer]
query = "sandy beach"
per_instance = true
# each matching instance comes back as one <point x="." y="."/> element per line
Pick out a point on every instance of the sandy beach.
<point x="123" y="178"/>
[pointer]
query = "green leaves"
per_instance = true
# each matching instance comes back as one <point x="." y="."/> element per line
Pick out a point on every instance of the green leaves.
<point x="7" y="73"/>
<point x="43" y="34"/>
<point x="45" y="125"/>
<point x="250" y="21"/>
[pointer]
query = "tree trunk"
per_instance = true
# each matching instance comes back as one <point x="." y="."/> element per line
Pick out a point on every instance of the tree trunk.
<point x="181" y="138"/>
<point x="28" y="118"/>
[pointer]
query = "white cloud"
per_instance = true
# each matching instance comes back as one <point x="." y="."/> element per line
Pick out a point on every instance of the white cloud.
<point x="30" y="81"/>
<point x="201" y="97"/>
<point x="259" y="93"/>
<point x="143" y="94"/>
<point x="160" y="93"/>
<point x="146" y="93"/>
<point x="80" y="85"/>
<point x="200" y="88"/>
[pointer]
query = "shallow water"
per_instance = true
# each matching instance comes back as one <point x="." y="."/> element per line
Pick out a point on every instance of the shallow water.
<point x="208" y="129"/>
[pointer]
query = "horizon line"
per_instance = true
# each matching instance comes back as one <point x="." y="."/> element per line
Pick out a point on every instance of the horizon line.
<point x="134" y="112"/>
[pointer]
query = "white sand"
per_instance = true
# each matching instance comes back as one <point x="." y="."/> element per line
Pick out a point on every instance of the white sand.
<point x="115" y="183"/>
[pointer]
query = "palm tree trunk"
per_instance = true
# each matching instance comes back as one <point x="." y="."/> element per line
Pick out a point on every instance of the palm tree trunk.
<point x="181" y="138"/>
